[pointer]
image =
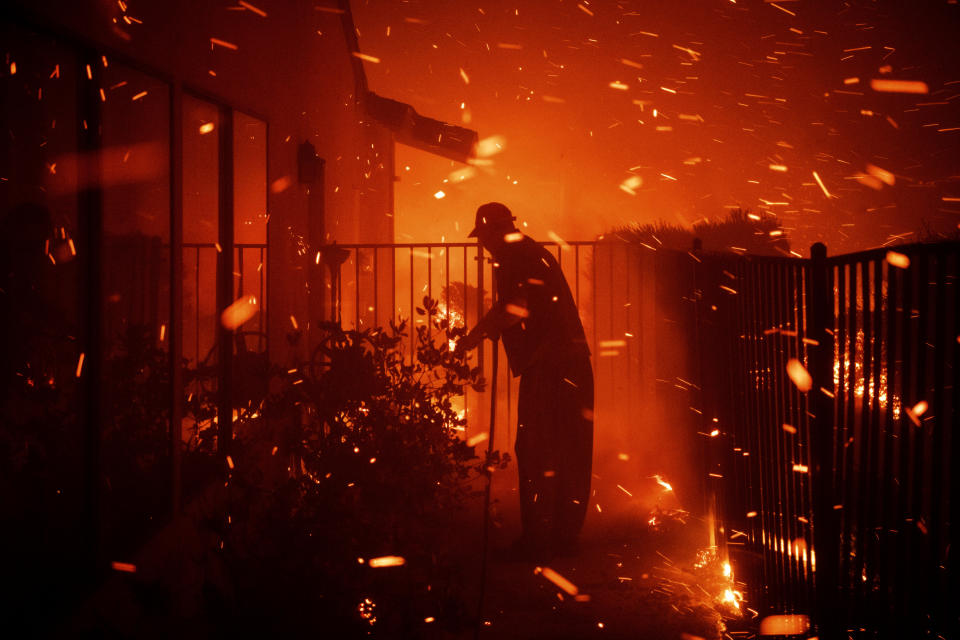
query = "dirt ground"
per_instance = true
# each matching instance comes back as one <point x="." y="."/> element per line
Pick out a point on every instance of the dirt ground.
<point x="633" y="580"/>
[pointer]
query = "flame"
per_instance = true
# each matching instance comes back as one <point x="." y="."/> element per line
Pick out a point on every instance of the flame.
<point x="732" y="598"/>
<point x="663" y="483"/>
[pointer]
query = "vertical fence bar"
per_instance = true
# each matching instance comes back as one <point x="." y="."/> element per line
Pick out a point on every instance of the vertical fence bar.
<point x="356" y="288"/>
<point x="746" y="439"/>
<point x="843" y="383"/>
<point x="904" y="525"/>
<point x="446" y="287"/>
<point x="878" y="494"/>
<point x="175" y="342"/>
<point x="850" y="444"/>
<point x="953" y="580"/>
<point x="225" y="287"/>
<point x="937" y="426"/>
<point x="376" y="286"/>
<point x="774" y="378"/>
<point x="791" y="415"/>
<point x="480" y="277"/>
<point x="394" y="311"/>
<point x="778" y="381"/>
<point x="768" y="459"/>
<point x="864" y="443"/>
<point x="821" y="442"/>
<point x="893" y="434"/>
<point x="919" y="593"/>
<point x="413" y="323"/>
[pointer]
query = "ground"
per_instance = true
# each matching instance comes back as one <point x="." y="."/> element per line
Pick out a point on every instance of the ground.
<point x="634" y="580"/>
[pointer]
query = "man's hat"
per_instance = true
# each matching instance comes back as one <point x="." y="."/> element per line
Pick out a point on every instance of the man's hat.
<point x="492" y="214"/>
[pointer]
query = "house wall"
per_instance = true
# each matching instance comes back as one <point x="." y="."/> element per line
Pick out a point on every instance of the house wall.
<point x="292" y="68"/>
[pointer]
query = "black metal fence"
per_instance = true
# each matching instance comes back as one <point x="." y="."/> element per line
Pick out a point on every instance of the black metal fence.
<point x="371" y="285"/>
<point x="824" y="389"/>
<point x="833" y="382"/>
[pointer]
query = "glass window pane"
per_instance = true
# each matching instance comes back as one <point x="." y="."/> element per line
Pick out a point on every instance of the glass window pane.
<point x="201" y="175"/>
<point x="135" y="175"/>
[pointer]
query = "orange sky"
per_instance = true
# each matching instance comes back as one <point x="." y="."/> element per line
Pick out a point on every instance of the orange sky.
<point x="572" y="88"/>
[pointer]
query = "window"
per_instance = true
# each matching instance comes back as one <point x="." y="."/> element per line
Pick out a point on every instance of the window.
<point x="211" y="133"/>
<point x="134" y="167"/>
<point x="88" y="299"/>
<point x="43" y="408"/>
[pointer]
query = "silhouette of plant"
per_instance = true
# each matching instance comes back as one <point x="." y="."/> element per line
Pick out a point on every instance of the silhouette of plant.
<point x="739" y="232"/>
<point x="375" y="465"/>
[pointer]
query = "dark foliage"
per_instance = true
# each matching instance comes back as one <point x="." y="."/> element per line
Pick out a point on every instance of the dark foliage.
<point x="135" y="473"/>
<point x="739" y="232"/>
<point x="369" y="463"/>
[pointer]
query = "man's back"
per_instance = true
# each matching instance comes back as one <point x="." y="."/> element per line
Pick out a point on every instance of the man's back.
<point x="530" y="280"/>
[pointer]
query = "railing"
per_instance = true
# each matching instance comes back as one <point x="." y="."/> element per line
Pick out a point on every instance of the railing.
<point x="845" y="488"/>
<point x="752" y="324"/>
<point x="831" y="502"/>
<point x="373" y="284"/>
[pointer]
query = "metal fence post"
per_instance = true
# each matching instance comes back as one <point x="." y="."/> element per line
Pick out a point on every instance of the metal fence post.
<point x="819" y="311"/>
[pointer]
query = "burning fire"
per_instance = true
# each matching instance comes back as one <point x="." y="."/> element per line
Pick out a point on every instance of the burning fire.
<point x="663" y="483"/>
<point x="732" y="598"/>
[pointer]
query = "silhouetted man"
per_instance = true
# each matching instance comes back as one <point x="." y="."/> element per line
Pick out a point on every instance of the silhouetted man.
<point x="536" y="317"/>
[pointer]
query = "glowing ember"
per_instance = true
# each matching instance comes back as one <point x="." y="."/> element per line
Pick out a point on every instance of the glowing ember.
<point x="899" y="86"/>
<point x="663" y="483"/>
<point x="387" y="561"/>
<point x="222" y="43"/>
<point x="916" y="411"/>
<point x="882" y="175"/>
<point x="517" y="310"/>
<point x="366" y="610"/>
<point x="239" y="312"/>
<point x="816" y="176"/>
<point x="366" y="58"/>
<point x="898" y="260"/>
<point x="477" y="439"/>
<point x="252" y="9"/>
<point x="125" y="567"/>
<point x="558" y="580"/>
<point x="489" y="147"/>
<point x="799" y="375"/>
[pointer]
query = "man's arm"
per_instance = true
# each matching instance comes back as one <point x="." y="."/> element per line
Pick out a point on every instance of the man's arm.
<point x="494" y="322"/>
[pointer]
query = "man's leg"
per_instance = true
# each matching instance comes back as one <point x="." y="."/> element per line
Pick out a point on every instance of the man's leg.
<point x="536" y="460"/>
<point x="575" y="430"/>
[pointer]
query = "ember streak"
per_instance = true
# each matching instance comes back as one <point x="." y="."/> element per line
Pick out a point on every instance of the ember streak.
<point x="783" y="106"/>
<point x="235" y="272"/>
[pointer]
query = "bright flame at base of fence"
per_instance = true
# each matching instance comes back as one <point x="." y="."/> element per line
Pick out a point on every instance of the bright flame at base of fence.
<point x="784" y="625"/>
<point x="732" y="598"/>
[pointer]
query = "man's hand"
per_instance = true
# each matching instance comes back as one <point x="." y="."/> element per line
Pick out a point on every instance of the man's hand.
<point x="468" y="342"/>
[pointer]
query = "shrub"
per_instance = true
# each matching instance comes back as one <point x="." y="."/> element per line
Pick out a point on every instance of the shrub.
<point x="375" y="466"/>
